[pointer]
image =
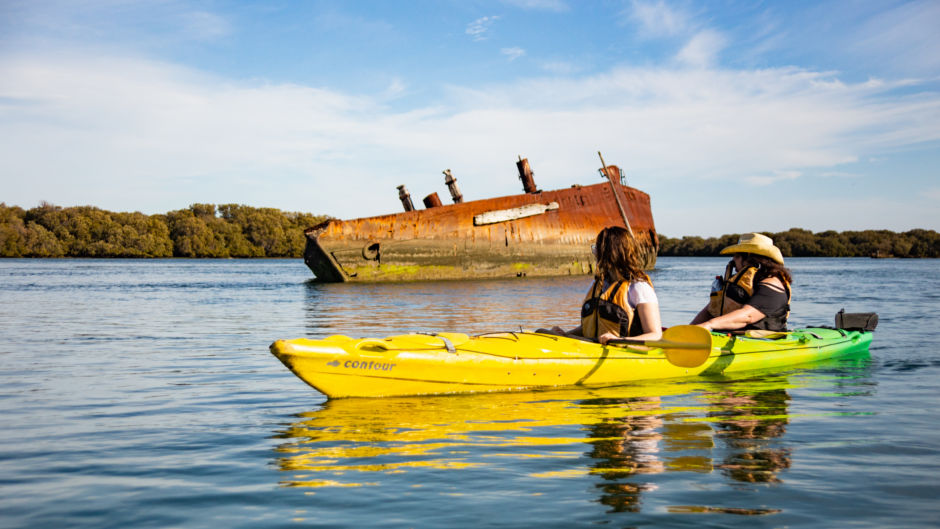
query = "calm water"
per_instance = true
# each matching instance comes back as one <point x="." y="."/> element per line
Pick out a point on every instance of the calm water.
<point x="142" y="394"/>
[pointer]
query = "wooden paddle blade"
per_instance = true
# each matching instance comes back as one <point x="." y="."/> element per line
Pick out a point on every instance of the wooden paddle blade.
<point x="688" y="356"/>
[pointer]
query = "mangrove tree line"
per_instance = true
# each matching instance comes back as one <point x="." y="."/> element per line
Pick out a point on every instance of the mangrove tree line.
<point x="201" y="230"/>
<point x="797" y="242"/>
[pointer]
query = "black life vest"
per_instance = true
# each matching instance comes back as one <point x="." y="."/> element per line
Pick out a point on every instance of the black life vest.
<point x="609" y="311"/>
<point x="731" y="292"/>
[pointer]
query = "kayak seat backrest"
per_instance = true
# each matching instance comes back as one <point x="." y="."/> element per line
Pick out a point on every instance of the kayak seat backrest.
<point x="860" y="321"/>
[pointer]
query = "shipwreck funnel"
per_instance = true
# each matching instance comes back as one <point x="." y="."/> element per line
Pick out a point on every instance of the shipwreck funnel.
<point x="525" y="174"/>
<point x="452" y="186"/>
<point x="432" y="201"/>
<point x="405" y="198"/>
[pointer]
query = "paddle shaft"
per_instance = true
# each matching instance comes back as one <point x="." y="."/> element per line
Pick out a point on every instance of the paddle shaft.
<point x="683" y="345"/>
<point x="662" y="344"/>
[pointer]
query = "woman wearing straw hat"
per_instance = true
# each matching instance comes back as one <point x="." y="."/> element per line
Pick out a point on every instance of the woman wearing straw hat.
<point x="754" y="293"/>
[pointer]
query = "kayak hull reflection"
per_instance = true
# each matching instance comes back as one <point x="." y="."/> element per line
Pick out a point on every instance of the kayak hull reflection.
<point x="420" y="364"/>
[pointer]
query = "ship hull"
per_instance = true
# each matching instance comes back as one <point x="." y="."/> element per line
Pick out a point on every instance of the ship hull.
<point x="547" y="233"/>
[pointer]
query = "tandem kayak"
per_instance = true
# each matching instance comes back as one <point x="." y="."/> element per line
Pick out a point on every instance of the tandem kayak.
<point x="425" y="364"/>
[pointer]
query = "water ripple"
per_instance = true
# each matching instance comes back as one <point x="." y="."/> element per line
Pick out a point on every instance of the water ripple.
<point x="142" y="394"/>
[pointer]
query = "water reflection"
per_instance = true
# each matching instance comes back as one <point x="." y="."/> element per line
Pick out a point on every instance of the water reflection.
<point x="750" y="421"/>
<point x="620" y="436"/>
<point x="648" y="437"/>
<point x="621" y="441"/>
<point x="347" y="441"/>
<point x="627" y="446"/>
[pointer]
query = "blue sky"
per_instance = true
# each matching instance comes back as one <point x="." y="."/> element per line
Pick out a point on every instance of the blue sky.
<point x="734" y="116"/>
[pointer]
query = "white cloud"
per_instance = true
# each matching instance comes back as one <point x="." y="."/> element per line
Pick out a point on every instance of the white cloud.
<point x="395" y="88"/>
<point x="479" y="28"/>
<point x="543" y="5"/>
<point x="130" y="134"/>
<point x="777" y="176"/>
<point x="658" y="19"/>
<point x="903" y="36"/>
<point x="560" y="67"/>
<point x="512" y="53"/>
<point x="702" y="49"/>
<point x="202" y="25"/>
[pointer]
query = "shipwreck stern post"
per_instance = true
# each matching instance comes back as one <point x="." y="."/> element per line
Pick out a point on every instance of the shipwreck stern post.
<point x="613" y="188"/>
<point x="318" y="260"/>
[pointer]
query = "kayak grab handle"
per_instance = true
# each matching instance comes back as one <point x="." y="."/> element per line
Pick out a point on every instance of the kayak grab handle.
<point x="447" y="343"/>
<point x="386" y="346"/>
<point x="368" y="342"/>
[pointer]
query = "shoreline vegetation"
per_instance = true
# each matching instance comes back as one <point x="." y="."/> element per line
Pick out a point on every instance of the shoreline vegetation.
<point x="201" y="230"/>
<point x="797" y="242"/>
<point x="233" y="230"/>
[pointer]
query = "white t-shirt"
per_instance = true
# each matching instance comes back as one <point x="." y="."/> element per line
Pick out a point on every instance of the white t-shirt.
<point x="641" y="292"/>
<point x="638" y="292"/>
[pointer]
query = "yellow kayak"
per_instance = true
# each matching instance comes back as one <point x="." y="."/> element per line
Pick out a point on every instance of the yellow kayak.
<point x="424" y="364"/>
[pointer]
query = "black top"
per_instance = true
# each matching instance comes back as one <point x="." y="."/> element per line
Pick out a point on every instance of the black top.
<point x="768" y="298"/>
<point x="773" y="302"/>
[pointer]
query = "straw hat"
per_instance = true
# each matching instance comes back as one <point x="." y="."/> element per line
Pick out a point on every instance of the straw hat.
<point x="757" y="244"/>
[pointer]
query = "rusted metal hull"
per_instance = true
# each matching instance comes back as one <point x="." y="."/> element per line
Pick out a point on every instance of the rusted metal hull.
<point x="547" y="233"/>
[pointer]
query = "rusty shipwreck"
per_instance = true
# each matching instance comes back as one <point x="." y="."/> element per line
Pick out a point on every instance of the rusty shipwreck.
<point x="536" y="233"/>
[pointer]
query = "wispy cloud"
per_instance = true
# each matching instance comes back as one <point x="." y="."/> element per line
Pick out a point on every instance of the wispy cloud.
<point x="778" y="176"/>
<point x="127" y="125"/>
<point x="479" y="28"/>
<point x="512" y="53"/>
<point x="702" y="49"/>
<point x="395" y="89"/>
<point x="903" y="35"/>
<point x="560" y="67"/>
<point x="203" y="25"/>
<point x="657" y="19"/>
<point x="839" y="174"/>
<point x="543" y="5"/>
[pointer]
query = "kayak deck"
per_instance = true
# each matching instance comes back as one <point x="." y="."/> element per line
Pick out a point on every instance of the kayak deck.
<point x="421" y="364"/>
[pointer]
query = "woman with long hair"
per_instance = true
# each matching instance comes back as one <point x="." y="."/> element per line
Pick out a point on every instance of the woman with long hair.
<point x="621" y="302"/>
